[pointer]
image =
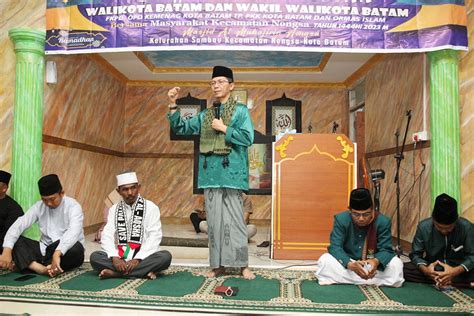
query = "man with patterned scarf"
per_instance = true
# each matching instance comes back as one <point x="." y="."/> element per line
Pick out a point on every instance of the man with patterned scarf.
<point x="226" y="132"/>
<point x="361" y="247"/>
<point x="132" y="236"/>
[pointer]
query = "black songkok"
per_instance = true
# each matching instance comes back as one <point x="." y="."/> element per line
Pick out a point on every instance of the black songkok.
<point x="445" y="210"/>
<point x="221" y="71"/>
<point x="360" y="199"/>
<point x="5" y="177"/>
<point x="49" y="185"/>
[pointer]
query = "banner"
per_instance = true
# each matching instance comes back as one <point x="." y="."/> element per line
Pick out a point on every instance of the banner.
<point x="83" y="26"/>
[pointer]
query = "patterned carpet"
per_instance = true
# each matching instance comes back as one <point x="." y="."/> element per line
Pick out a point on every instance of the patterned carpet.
<point x="187" y="288"/>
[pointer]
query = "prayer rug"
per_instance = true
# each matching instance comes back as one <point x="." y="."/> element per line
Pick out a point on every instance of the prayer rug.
<point x="184" y="242"/>
<point x="273" y="290"/>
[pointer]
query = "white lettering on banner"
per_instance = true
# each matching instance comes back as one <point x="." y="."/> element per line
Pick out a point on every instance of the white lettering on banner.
<point x="258" y="7"/>
<point x="205" y="40"/>
<point x="218" y="7"/>
<point x="218" y="15"/>
<point x="259" y="41"/>
<point x="292" y="24"/>
<point x="255" y="11"/>
<point x="166" y="40"/>
<point x="330" y="42"/>
<point x="393" y="12"/>
<point x="168" y="23"/>
<point x="285" y="41"/>
<point x="325" y="25"/>
<point x="183" y="7"/>
<point x="298" y="17"/>
<point x="311" y="42"/>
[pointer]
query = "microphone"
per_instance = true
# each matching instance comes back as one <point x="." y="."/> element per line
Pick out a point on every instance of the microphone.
<point x="217" y="109"/>
<point x="377" y="174"/>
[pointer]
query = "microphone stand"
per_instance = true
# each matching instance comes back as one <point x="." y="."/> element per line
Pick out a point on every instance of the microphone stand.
<point x="399" y="157"/>
<point x="377" y="195"/>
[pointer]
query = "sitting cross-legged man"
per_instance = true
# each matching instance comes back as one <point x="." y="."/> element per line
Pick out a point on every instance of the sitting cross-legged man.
<point x="443" y="248"/>
<point x="132" y="236"/>
<point x="60" y="221"/>
<point x="360" y="250"/>
<point x="198" y="218"/>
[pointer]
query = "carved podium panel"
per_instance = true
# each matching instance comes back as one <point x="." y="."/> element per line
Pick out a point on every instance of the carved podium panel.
<point x="313" y="177"/>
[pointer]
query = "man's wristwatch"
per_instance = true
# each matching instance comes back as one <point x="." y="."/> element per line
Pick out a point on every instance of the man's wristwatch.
<point x="172" y="106"/>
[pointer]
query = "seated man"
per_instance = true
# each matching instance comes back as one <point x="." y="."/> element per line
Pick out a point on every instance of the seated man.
<point x="9" y="208"/>
<point x="198" y="218"/>
<point x="60" y="221"/>
<point x="132" y="236"/>
<point x="443" y="248"/>
<point x="361" y="247"/>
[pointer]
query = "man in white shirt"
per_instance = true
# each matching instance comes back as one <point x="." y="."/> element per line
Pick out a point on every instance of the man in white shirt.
<point x="60" y="220"/>
<point x="132" y="236"/>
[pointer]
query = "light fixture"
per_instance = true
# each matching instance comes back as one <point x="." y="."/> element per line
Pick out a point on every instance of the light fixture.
<point x="51" y="72"/>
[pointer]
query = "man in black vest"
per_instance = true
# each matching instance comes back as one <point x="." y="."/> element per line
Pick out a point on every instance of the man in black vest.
<point x="10" y="210"/>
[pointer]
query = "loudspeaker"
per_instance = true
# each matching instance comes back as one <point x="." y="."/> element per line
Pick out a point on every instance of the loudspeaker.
<point x="51" y="72"/>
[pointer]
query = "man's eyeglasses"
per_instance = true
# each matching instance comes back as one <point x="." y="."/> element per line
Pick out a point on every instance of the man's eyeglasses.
<point x="363" y="215"/>
<point x="218" y="82"/>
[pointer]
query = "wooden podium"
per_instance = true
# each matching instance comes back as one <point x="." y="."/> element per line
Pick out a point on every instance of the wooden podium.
<point x="313" y="175"/>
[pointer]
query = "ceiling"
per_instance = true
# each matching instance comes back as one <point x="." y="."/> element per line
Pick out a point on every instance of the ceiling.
<point x="249" y="66"/>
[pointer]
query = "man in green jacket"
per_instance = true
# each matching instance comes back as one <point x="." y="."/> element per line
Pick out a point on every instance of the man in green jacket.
<point x="443" y="248"/>
<point x="226" y="132"/>
<point x="361" y="247"/>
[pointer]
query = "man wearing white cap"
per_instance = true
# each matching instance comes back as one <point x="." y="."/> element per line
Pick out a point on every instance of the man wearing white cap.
<point x="132" y="236"/>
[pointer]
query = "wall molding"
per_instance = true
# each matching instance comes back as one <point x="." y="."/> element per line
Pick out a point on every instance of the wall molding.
<point x="48" y="139"/>
<point x="393" y="150"/>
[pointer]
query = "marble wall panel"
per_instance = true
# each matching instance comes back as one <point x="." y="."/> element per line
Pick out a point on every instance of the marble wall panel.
<point x="392" y="87"/>
<point x="14" y="14"/>
<point x="86" y="176"/>
<point x="86" y="105"/>
<point x="466" y="78"/>
<point x="169" y="181"/>
<point x="415" y="204"/>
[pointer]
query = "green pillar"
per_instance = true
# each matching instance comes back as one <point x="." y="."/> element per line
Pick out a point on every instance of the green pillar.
<point x="27" y="118"/>
<point x="445" y="130"/>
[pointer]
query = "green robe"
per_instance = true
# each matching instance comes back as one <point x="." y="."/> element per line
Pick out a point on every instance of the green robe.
<point x="430" y="245"/>
<point x="347" y="240"/>
<point x="239" y="134"/>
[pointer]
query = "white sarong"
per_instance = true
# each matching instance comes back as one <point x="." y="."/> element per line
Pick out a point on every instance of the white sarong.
<point x="330" y="271"/>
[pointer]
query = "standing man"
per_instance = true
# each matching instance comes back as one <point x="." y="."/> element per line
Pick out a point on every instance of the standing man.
<point x="443" y="248"/>
<point x="60" y="221"/>
<point x="361" y="247"/>
<point x="132" y="236"/>
<point x="10" y="210"/>
<point x="226" y="132"/>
